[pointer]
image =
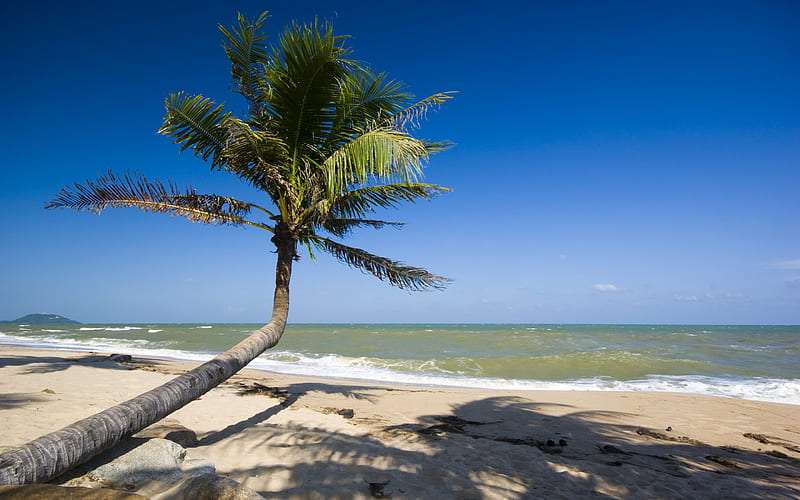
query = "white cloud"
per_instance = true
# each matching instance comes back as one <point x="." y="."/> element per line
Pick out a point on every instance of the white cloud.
<point x="607" y="287"/>
<point x="785" y="264"/>
<point x="686" y="298"/>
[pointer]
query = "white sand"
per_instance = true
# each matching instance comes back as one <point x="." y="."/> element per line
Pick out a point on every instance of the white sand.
<point x="413" y="438"/>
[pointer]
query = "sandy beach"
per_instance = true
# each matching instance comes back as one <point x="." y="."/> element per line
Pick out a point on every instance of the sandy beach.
<point x="293" y="437"/>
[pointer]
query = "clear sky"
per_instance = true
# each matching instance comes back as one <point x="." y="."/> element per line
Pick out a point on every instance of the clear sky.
<point x="616" y="162"/>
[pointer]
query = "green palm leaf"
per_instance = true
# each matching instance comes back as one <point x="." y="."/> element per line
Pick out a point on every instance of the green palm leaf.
<point x="434" y="147"/>
<point x="134" y="190"/>
<point x="355" y="204"/>
<point x="367" y="199"/>
<point x="383" y="153"/>
<point x="341" y="227"/>
<point x="248" y="55"/>
<point x="364" y="99"/>
<point x="412" y="115"/>
<point x="396" y="273"/>
<point x="258" y="157"/>
<point x="196" y="123"/>
<point x="304" y="72"/>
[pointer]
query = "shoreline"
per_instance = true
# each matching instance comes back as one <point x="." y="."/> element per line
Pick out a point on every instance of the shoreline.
<point x="328" y="436"/>
<point x="764" y="388"/>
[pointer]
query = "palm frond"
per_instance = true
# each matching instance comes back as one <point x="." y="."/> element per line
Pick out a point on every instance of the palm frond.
<point x="304" y="71"/>
<point x="257" y="156"/>
<point x="356" y="204"/>
<point x="134" y="190"/>
<point x="382" y="153"/>
<point x="248" y="55"/>
<point x="340" y="227"/>
<point x="434" y="147"/>
<point x="196" y="123"/>
<point x="414" y="114"/>
<point x="367" y="199"/>
<point x="362" y="100"/>
<point x="396" y="273"/>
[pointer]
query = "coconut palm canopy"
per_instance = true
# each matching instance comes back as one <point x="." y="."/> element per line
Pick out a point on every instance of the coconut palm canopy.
<point x="325" y="138"/>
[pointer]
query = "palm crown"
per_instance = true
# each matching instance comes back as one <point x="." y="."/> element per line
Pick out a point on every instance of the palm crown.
<point x="325" y="138"/>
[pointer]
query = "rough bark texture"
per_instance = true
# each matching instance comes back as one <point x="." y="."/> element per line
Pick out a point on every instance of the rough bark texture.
<point x="54" y="454"/>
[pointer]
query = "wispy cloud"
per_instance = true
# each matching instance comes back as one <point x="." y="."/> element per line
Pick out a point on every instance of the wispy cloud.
<point x="793" y="282"/>
<point x="607" y="287"/>
<point x="785" y="264"/>
<point x="709" y="298"/>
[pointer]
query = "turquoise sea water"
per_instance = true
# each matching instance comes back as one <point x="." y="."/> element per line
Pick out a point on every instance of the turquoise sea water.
<point x="750" y="362"/>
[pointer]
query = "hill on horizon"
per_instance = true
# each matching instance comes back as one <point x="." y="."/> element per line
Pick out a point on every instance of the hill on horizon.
<point x="43" y="319"/>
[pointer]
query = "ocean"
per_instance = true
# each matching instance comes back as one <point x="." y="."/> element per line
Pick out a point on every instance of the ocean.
<point x="749" y="362"/>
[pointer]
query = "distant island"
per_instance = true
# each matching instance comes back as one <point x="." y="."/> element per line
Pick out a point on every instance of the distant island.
<point x="42" y="319"/>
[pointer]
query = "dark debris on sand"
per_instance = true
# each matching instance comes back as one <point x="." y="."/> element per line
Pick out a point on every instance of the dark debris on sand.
<point x="761" y="438"/>
<point x="256" y="389"/>
<point x="456" y="425"/>
<point x="344" y="412"/>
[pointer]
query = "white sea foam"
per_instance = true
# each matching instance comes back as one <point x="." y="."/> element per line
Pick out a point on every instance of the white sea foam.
<point x="206" y="326"/>
<point x="757" y="389"/>
<point x="108" y="328"/>
<point x="154" y="331"/>
<point x="145" y="347"/>
<point x="360" y="368"/>
<point x="133" y="347"/>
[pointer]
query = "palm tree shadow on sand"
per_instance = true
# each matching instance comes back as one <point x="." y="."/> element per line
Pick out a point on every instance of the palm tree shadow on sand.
<point x="51" y="364"/>
<point x="499" y="447"/>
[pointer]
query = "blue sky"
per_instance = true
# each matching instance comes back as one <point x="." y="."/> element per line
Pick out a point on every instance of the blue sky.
<point x="616" y="162"/>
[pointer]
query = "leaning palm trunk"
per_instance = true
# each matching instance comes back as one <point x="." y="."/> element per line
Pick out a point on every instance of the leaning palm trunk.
<point x="54" y="454"/>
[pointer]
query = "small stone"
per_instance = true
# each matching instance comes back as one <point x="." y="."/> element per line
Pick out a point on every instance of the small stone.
<point x="669" y="428"/>
<point x="550" y="442"/>
<point x="346" y="412"/>
<point x="377" y="489"/>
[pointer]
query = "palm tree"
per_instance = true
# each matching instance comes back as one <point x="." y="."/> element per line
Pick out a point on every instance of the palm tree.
<point x="326" y="139"/>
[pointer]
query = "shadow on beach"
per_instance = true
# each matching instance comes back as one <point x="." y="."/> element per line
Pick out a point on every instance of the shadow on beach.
<point x="51" y="364"/>
<point x="498" y="447"/>
<point x="54" y="364"/>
